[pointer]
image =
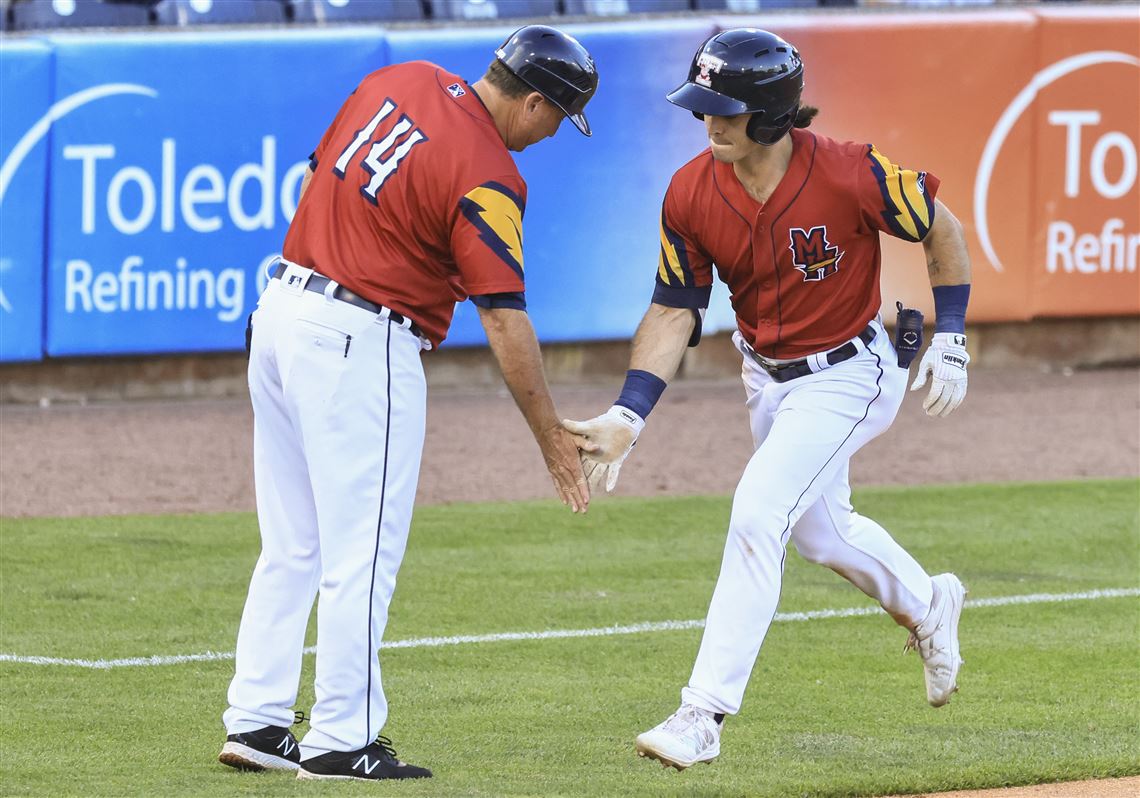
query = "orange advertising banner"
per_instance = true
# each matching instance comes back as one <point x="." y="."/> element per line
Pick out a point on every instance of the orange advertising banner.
<point x="1086" y="236"/>
<point x="1030" y="118"/>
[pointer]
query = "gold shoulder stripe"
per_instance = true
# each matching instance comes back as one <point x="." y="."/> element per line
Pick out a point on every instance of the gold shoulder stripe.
<point x="668" y="258"/>
<point x="499" y="218"/>
<point x="915" y="197"/>
<point x="893" y="184"/>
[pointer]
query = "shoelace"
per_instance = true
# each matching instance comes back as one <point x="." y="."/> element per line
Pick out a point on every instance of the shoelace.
<point x="385" y="745"/>
<point x="911" y="643"/>
<point x="299" y="717"/>
<point x="683" y="719"/>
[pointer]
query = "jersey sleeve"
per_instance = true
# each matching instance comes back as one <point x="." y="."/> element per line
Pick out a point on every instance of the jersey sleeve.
<point x="684" y="271"/>
<point x="895" y="200"/>
<point x="487" y="238"/>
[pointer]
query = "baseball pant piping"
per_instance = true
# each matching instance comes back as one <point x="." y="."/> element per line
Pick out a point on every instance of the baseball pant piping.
<point x="371" y="651"/>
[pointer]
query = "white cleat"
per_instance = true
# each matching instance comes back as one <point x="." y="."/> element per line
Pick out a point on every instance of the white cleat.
<point x="688" y="736"/>
<point x="936" y="639"/>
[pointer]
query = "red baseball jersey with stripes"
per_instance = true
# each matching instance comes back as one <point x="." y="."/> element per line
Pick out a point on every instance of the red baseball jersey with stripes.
<point x="415" y="202"/>
<point x="803" y="268"/>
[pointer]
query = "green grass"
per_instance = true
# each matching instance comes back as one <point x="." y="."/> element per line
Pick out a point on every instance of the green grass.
<point x="1049" y="692"/>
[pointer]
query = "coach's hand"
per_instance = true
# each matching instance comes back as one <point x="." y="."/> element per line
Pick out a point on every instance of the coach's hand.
<point x="606" y="441"/>
<point x="560" y="451"/>
<point x="946" y="360"/>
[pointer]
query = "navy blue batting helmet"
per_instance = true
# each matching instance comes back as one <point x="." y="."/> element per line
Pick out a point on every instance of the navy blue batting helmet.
<point x="745" y="71"/>
<point x="555" y="65"/>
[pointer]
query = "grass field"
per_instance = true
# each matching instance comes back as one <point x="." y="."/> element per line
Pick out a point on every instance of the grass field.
<point x="1050" y="691"/>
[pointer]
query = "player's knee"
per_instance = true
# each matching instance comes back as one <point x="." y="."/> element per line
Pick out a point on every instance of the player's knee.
<point x="814" y="550"/>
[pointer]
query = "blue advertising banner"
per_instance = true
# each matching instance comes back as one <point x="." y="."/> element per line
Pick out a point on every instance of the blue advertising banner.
<point x="593" y="204"/>
<point x="25" y="85"/>
<point x="174" y="175"/>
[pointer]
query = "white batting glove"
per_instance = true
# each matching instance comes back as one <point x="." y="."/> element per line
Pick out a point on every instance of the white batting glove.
<point x="946" y="359"/>
<point x="613" y="435"/>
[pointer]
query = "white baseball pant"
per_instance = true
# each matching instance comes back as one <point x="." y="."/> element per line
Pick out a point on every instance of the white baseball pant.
<point x="796" y="487"/>
<point x="339" y="401"/>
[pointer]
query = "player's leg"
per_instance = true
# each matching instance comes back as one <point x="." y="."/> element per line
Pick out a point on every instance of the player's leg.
<point x="816" y="424"/>
<point x="284" y="583"/>
<point x="831" y="533"/>
<point x="804" y="430"/>
<point x="363" y="430"/>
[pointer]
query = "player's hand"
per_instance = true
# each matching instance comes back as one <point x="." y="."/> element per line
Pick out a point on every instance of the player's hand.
<point x="946" y="360"/>
<point x="606" y="441"/>
<point x="560" y="451"/>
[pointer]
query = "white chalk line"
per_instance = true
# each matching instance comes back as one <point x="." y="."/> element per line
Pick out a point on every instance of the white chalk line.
<point x="560" y="634"/>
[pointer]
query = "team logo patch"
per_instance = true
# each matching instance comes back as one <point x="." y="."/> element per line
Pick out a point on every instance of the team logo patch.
<point x="813" y="254"/>
<point x="456" y="90"/>
<point x="706" y="64"/>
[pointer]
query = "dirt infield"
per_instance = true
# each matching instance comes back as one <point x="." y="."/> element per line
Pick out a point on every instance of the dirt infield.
<point x="195" y="456"/>
<point x="1103" y="788"/>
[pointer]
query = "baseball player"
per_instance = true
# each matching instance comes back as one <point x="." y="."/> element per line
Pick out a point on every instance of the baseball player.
<point x="791" y="221"/>
<point x="411" y="204"/>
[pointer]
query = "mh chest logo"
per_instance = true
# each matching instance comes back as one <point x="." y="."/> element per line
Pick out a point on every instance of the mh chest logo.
<point x="813" y="254"/>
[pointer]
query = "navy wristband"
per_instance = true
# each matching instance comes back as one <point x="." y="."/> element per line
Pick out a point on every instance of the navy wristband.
<point x="950" y="307"/>
<point x="640" y="392"/>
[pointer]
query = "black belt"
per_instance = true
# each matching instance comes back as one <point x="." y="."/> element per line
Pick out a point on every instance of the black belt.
<point x="782" y="372"/>
<point x="318" y="282"/>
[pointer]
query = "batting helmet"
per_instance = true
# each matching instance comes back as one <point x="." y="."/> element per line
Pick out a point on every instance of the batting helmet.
<point x="745" y="71"/>
<point x="555" y="65"/>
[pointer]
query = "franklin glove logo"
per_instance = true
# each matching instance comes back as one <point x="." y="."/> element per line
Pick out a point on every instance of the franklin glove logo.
<point x="813" y="254"/>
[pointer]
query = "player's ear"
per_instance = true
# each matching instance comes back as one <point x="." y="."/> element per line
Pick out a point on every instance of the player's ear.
<point x="533" y="103"/>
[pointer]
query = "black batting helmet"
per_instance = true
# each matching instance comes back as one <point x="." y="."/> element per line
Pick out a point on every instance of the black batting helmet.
<point x="745" y="71"/>
<point x="555" y="65"/>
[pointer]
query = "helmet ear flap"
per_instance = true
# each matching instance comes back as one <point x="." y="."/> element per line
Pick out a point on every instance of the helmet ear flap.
<point x="699" y="115"/>
<point x="755" y="130"/>
<point x="770" y="134"/>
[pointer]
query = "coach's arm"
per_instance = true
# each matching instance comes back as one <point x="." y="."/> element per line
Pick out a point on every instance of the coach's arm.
<point x="515" y="347"/>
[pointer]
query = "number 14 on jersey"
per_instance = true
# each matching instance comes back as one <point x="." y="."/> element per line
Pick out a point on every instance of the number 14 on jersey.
<point x="375" y="164"/>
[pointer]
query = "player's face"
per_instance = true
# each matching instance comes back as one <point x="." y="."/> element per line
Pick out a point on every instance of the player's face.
<point x="728" y="137"/>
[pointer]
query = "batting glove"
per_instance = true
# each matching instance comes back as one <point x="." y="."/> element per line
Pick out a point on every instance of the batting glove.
<point x="612" y="436"/>
<point x="946" y="359"/>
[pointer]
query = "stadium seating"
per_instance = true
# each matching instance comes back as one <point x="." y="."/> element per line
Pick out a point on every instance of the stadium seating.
<point x="613" y="8"/>
<point x="215" y="12"/>
<point x="493" y="9"/>
<point x="39" y="14"/>
<point x="356" y="10"/>
<point x="755" y="5"/>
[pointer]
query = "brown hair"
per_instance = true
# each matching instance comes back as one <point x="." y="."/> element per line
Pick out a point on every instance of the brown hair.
<point x="804" y="115"/>
<point x="506" y="81"/>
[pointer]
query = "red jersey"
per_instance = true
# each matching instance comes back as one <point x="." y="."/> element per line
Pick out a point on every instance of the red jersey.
<point x="803" y="268"/>
<point x="415" y="202"/>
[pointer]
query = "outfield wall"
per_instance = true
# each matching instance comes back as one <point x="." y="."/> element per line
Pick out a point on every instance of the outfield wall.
<point x="148" y="178"/>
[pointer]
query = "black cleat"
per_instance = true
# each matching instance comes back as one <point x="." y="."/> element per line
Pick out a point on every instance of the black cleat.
<point x="268" y="748"/>
<point x="370" y="763"/>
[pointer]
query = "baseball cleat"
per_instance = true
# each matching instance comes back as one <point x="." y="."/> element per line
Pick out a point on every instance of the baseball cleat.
<point x="268" y="748"/>
<point x="936" y="639"/>
<point x="688" y="736"/>
<point x="373" y="762"/>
